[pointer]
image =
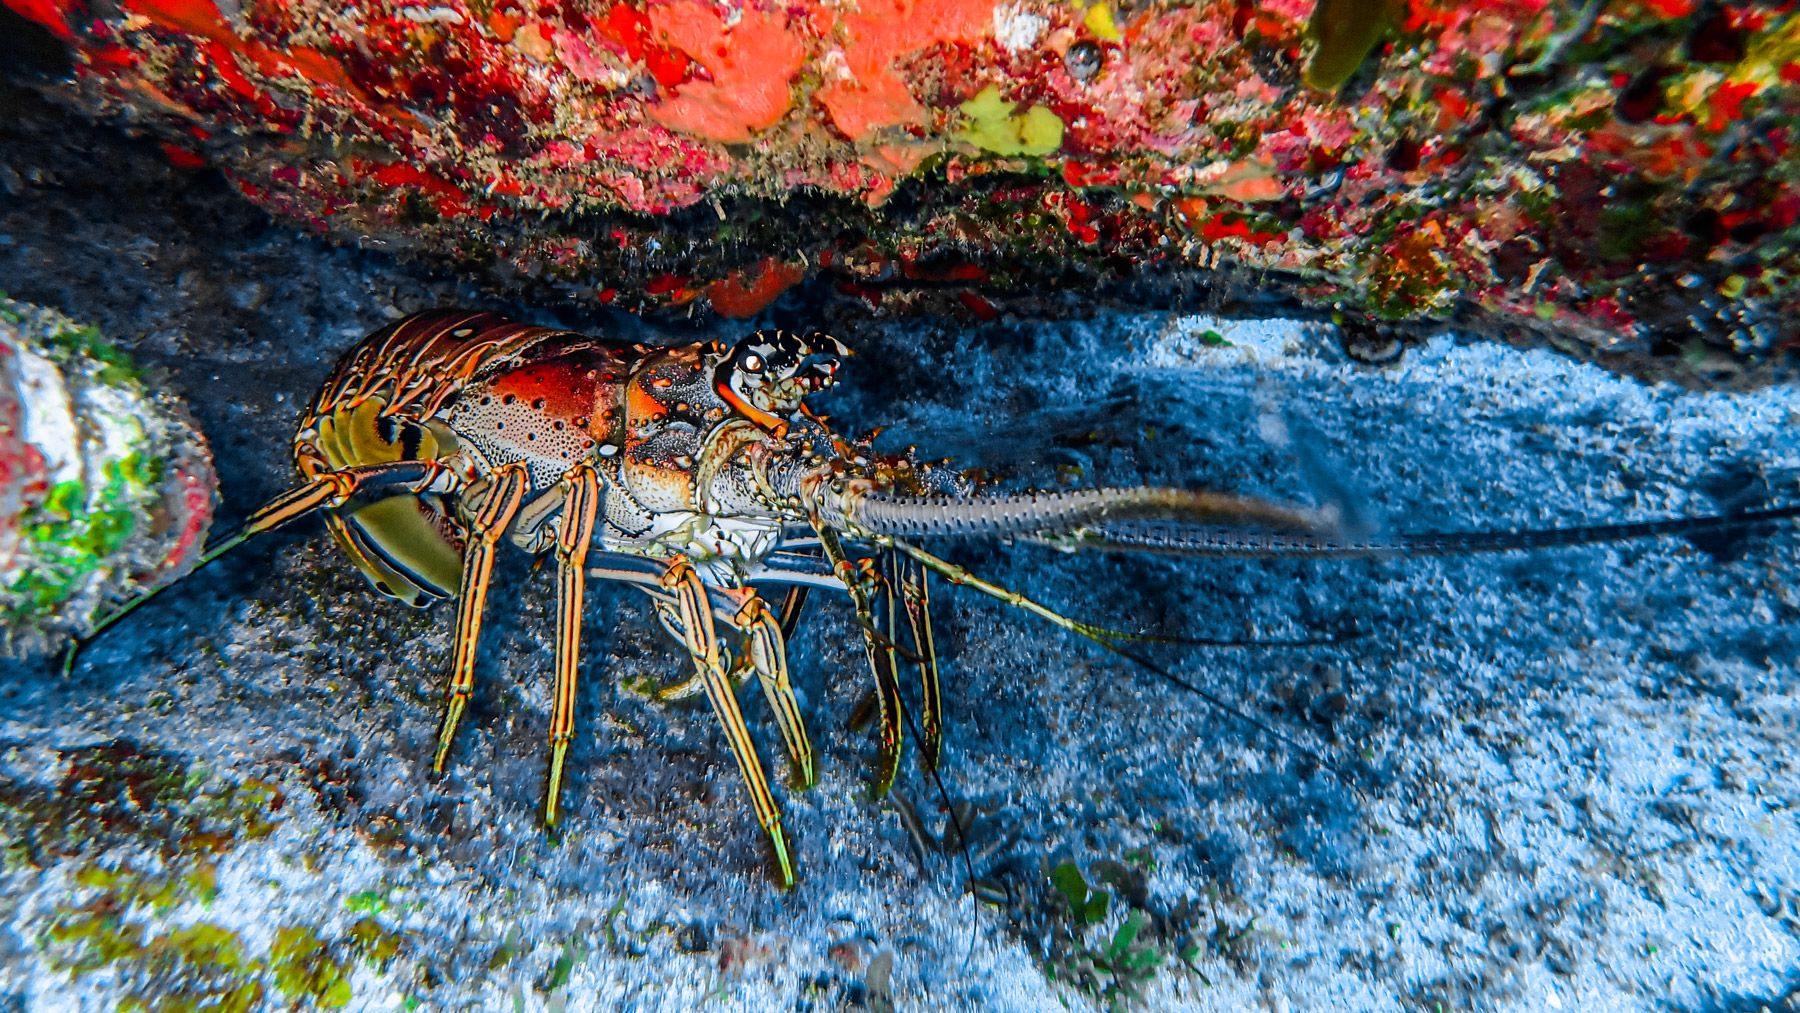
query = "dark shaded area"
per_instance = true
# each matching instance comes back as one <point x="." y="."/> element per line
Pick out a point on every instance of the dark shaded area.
<point x="28" y="50"/>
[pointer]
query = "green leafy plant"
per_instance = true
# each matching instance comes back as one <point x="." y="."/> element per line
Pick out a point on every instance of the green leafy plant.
<point x="1112" y="968"/>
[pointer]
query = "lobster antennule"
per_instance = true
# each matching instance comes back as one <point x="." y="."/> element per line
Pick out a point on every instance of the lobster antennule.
<point x="1051" y="514"/>
<point x="295" y="503"/>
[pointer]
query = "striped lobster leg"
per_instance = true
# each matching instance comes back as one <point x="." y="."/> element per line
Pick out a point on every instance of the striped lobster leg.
<point x="332" y="489"/>
<point x="504" y="498"/>
<point x="915" y="603"/>
<point x="327" y="490"/>
<point x="766" y="652"/>
<point x="574" y="531"/>
<point x="700" y="638"/>
<point x="874" y="604"/>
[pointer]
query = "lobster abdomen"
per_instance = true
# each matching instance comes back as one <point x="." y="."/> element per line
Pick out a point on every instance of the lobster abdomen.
<point x="378" y="407"/>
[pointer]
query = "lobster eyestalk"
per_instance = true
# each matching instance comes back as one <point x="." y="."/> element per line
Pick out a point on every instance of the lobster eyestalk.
<point x="860" y="506"/>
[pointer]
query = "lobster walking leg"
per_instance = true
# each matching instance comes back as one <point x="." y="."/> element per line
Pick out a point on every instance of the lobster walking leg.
<point x="574" y="530"/>
<point x="880" y="649"/>
<point x="671" y="621"/>
<point x="765" y="655"/>
<point x="699" y="637"/>
<point x="328" y="490"/>
<point x="489" y="523"/>
<point x="766" y="651"/>
<point x="789" y="613"/>
<point x="915" y="600"/>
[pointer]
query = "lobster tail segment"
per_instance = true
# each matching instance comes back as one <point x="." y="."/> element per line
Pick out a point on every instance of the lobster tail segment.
<point x="859" y="507"/>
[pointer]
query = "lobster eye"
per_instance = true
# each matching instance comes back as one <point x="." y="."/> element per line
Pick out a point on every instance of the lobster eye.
<point x="753" y="363"/>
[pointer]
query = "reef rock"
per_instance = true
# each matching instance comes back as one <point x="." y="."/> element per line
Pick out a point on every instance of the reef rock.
<point x="106" y="489"/>
<point x="1615" y="176"/>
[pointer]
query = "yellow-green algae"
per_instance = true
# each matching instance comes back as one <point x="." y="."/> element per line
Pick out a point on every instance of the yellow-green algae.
<point x="192" y="967"/>
<point x="993" y="126"/>
<point x="1099" y="20"/>
<point x="374" y="942"/>
<point x="304" y="967"/>
<point x="204" y="965"/>
<point x="1345" y="32"/>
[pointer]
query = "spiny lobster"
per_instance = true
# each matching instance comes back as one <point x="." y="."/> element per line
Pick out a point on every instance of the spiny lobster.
<point x="699" y="475"/>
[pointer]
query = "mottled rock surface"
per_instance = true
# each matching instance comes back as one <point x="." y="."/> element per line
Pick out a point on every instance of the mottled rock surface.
<point x="1526" y="781"/>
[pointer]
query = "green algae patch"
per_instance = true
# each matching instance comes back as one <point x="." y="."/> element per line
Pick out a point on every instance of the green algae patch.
<point x="304" y="968"/>
<point x="70" y="343"/>
<point x="194" y="967"/>
<point x="199" y="966"/>
<point x="994" y="127"/>
<point x="367" y="902"/>
<point x="74" y="538"/>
